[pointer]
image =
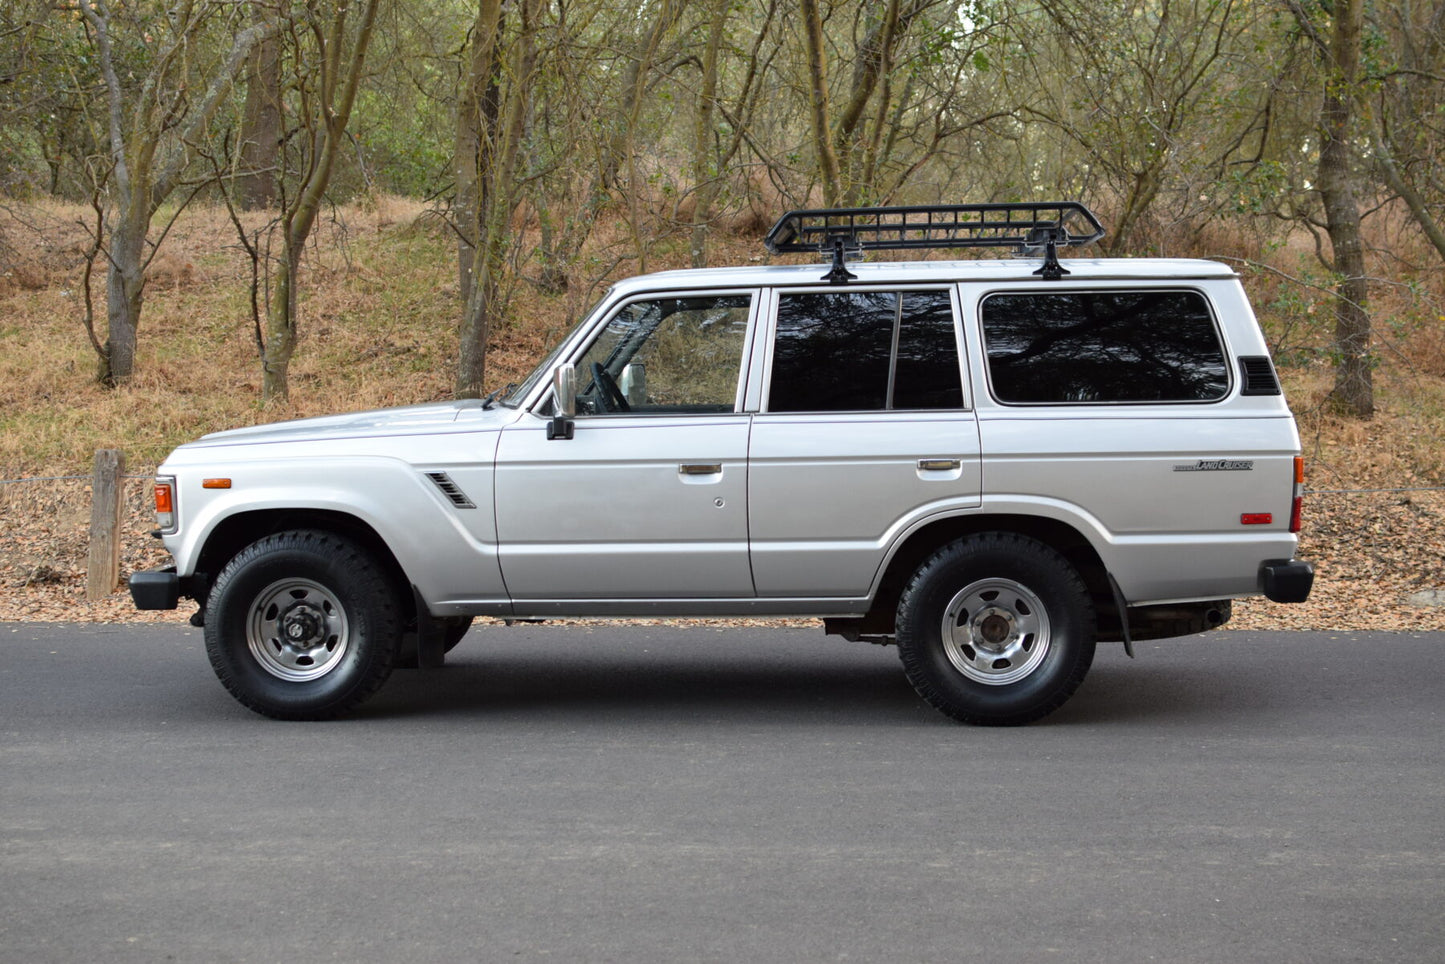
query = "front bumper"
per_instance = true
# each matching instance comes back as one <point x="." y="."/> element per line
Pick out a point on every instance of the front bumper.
<point x="1286" y="580"/>
<point x="156" y="588"/>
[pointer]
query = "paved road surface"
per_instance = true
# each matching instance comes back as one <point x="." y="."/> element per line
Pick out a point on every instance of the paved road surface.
<point x="661" y="794"/>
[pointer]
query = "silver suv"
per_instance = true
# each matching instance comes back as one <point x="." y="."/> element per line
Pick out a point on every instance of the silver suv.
<point x="991" y="464"/>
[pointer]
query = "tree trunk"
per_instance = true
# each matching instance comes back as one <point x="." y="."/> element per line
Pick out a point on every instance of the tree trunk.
<point x="1144" y="187"/>
<point x="705" y="175"/>
<point x="872" y="69"/>
<point x="491" y="123"/>
<point x="125" y="294"/>
<point x="1354" y="389"/>
<point x="281" y="327"/>
<point x="261" y="124"/>
<point x="334" y="99"/>
<point x="818" y="85"/>
<point x="476" y="117"/>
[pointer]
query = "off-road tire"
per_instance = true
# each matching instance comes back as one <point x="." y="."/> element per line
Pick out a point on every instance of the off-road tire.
<point x="302" y="625"/>
<point x="996" y="629"/>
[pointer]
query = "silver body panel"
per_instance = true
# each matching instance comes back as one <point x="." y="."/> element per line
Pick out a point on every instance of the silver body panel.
<point x="760" y="513"/>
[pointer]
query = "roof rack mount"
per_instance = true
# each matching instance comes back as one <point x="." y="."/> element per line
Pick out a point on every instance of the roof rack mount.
<point x="1024" y="226"/>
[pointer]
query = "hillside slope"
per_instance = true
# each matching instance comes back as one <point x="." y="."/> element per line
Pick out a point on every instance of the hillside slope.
<point x="378" y="328"/>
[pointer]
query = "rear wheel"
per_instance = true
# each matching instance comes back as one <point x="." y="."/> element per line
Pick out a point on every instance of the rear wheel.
<point x="302" y="625"/>
<point x="996" y="629"/>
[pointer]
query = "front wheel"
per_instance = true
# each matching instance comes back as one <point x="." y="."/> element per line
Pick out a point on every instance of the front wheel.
<point x="302" y="625"/>
<point x="996" y="629"/>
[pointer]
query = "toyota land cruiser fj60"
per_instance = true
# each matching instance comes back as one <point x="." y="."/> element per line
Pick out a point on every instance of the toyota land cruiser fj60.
<point x="993" y="464"/>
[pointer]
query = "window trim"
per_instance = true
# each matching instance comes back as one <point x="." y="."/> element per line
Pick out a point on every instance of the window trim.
<point x="768" y="333"/>
<point x="1224" y="351"/>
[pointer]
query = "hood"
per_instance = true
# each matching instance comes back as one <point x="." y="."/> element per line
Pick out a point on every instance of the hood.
<point x="467" y="415"/>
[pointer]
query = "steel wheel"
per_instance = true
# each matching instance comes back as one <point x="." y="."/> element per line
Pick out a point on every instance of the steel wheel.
<point x="996" y="628"/>
<point x="303" y="625"/>
<point x="298" y="630"/>
<point x="996" y="631"/>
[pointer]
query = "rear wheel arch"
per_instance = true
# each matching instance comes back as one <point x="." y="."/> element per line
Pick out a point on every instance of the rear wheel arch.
<point x="922" y="545"/>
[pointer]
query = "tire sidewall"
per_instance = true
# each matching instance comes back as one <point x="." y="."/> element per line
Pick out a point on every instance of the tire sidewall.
<point x="1040" y="569"/>
<point x="344" y="570"/>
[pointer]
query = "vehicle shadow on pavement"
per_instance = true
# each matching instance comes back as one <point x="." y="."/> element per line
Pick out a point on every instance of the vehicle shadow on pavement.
<point x="1176" y="685"/>
<point x="848" y="685"/>
<point x="520" y="686"/>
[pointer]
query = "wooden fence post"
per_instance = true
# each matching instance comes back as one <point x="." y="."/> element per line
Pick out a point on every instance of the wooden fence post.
<point x="103" y="572"/>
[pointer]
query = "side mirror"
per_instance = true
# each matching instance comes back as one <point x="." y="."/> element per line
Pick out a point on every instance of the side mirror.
<point x="564" y="402"/>
<point x="633" y="384"/>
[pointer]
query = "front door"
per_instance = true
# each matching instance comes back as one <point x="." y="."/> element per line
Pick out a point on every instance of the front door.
<point x="649" y="499"/>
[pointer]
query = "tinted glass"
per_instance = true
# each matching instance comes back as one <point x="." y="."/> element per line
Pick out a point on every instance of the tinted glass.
<point x="832" y="352"/>
<point x="927" y="374"/>
<point x="835" y="352"/>
<point x="1103" y="346"/>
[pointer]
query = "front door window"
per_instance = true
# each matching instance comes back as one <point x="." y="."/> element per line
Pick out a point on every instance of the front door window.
<point x="666" y="356"/>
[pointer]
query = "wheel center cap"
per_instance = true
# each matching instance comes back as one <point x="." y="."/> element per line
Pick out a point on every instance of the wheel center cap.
<point x="993" y="627"/>
<point x="301" y="625"/>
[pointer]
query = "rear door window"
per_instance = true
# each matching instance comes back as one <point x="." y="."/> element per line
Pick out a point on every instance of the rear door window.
<point x="865" y="351"/>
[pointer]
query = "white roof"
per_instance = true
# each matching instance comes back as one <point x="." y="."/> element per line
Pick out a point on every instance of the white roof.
<point x="927" y="272"/>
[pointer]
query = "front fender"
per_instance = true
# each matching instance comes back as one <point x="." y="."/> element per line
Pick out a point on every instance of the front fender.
<point x="446" y="551"/>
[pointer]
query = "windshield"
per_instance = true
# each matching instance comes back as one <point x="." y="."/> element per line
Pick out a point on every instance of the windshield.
<point x="514" y="398"/>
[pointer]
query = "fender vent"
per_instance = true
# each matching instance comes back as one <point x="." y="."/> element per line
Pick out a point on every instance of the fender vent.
<point x="1257" y="375"/>
<point x="451" y="490"/>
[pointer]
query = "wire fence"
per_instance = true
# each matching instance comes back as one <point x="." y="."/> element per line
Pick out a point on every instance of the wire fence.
<point x="72" y="478"/>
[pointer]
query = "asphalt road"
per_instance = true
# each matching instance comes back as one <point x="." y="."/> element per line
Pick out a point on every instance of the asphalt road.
<point x="695" y="794"/>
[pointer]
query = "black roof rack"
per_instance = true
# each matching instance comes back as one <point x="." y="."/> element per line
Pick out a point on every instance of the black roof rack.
<point x="1025" y="226"/>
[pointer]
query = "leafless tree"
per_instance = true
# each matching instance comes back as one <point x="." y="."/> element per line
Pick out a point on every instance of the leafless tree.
<point x="331" y="54"/>
<point x="491" y="124"/>
<point x="152" y="120"/>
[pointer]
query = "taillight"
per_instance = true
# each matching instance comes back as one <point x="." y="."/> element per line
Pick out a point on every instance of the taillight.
<point x="1296" y="510"/>
<point x="166" y="504"/>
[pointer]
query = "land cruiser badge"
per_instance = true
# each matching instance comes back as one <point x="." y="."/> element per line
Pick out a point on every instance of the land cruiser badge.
<point x="1218" y="465"/>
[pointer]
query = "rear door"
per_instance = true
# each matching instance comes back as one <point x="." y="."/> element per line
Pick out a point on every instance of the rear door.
<point x="865" y="429"/>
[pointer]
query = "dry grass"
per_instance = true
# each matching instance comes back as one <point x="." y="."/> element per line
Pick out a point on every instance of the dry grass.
<point x="378" y="328"/>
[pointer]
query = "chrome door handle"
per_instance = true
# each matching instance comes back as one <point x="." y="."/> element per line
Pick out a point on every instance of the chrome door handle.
<point x="700" y="468"/>
<point x="939" y="465"/>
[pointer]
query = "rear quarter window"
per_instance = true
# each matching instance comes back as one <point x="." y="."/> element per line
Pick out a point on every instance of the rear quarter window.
<point x="1081" y="347"/>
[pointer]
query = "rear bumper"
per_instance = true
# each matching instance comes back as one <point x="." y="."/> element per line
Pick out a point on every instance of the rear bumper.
<point x="1286" y="580"/>
<point x="155" y="589"/>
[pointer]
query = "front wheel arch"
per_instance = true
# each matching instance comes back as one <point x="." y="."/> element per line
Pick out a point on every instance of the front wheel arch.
<point x="236" y="532"/>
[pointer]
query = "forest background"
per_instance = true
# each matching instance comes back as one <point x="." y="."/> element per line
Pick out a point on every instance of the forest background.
<point x="216" y="212"/>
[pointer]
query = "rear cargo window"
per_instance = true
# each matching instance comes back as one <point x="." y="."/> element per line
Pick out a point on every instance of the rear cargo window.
<point x="1103" y="346"/>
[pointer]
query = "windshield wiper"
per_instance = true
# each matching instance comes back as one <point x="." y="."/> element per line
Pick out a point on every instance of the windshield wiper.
<point x="491" y="399"/>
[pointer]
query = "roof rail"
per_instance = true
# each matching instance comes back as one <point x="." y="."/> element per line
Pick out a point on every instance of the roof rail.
<point x="1026" y="226"/>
